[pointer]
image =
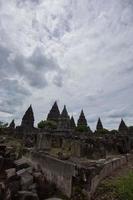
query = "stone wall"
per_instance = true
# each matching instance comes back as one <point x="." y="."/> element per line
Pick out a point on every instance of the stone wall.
<point x="62" y="172"/>
<point x="109" y="167"/>
<point x="56" y="171"/>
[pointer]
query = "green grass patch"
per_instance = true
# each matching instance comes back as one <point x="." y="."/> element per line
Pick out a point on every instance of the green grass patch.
<point x="120" y="188"/>
<point x="124" y="187"/>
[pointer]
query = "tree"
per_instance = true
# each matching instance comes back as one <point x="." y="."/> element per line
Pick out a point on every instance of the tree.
<point x="103" y="131"/>
<point x="114" y="132"/>
<point x="3" y="125"/>
<point x="82" y="128"/>
<point x="47" y="124"/>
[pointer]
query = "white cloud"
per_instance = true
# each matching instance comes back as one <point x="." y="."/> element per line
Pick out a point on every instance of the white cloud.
<point x="78" y="52"/>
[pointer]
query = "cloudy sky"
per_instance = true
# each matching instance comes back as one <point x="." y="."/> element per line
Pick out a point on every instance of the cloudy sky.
<point x="78" y="52"/>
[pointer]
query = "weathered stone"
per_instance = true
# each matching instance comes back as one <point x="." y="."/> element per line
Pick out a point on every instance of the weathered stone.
<point x="26" y="180"/>
<point x="72" y="123"/>
<point x="64" y="121"/>
<point x="99" y="126"/>
<point x="123" y="127"/>
<point x="37" y="175"/>
<point x="82" y="120"/>
<point x="54" y="198"/>
<point x="27" y="195"/>
<point x="10" y="172"/>
<point x="33" y="187"/>
<point x="21" y="164"/>
<point x="28" y="118"/>
<point x="12" y="124"/>
<point x="54" y="113"/>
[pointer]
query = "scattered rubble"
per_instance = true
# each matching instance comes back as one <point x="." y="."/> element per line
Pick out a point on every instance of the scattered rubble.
<point x="19" y="180"/>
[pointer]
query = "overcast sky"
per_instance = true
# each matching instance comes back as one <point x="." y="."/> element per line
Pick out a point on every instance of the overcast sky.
<point x="78" y="52"/>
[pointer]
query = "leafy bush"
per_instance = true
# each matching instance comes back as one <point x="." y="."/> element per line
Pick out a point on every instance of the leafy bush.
<point x="82" y="128"/>
<point x="102" y="131"/>
<point x="47" y="124"/>
<point x="3" y="125"/>
<point x="114" y="132"/>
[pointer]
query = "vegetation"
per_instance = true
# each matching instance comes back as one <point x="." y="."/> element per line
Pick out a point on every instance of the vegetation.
<point x="114" y="132"/>
<point x="3" y="125"/>
<point x="82" y="128"/>
<point x="102" y="131"/>
<point x="124" y="187"/>
<point x="120" y="189"/>
<point x="78" y="194"/>
<point x="47" y="124"/>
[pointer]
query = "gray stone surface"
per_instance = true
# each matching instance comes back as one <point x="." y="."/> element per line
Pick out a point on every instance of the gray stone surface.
<point x="54" y="198"/>
<point x="24" y="195"/>
<point x="26" y="180"/>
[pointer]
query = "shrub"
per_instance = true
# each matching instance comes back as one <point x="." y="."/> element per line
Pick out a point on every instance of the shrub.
<point x="3" y="125"/>
<point x="47" y="124"/>
<point x="102" y="131"/>
<point x="82" y="128"/>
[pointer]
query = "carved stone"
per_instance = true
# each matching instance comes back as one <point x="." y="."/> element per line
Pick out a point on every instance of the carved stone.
<point x="54" y="113"/>
<point x="28" y="118"/>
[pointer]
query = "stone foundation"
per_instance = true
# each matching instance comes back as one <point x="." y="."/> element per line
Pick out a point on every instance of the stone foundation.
<point x="62" y="172"/>
<point x="56" y="171"/>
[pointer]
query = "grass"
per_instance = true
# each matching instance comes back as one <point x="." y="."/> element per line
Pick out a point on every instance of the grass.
<point x="15" y="143"/>
<point x="116" y="189"/>
<point x="124" y="187"/>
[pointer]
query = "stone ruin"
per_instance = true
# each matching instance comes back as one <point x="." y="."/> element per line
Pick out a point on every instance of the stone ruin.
<point x="78" y="139"/>
<point x="72" y="123"/>
<point x="70" y="141"/>
<point x="19" y="180"/>
<point x="99" y="126"/>
<point x="64" y="121"/>
<point x="54" y="113"/>
<point x="12" y="124"/>
<point x="82" y="120"/>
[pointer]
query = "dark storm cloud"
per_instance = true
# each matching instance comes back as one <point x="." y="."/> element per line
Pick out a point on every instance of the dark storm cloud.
<point x="92" y="39"/>
<point x="13" y="94"/>
<point x="58" y="81"/>
<point x="32" y="69"/>
<point x="21" y="3"/>
<point x="19" y="73"/>
<point x="121" y="113"/>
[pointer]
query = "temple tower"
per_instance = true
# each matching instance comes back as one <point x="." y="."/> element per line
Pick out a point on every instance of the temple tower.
<point x="28" y="118"/>
<point x="12" y="124"/>
<point x="122" y="127"/>
<point x="82" y="120"/>
<point x="54" y="113"/>
<point x="72" y="123"/>
<point x="64" y="120"/>
<point x="99" y="126"/>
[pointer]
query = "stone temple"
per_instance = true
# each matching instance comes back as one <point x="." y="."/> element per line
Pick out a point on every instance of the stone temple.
<point x="59" y="130"/>
<point x="70" y="153"/>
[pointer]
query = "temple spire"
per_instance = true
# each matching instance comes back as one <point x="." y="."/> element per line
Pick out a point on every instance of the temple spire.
<point x="54" y="113"/>
<point x="64" y="121"/>
<point x="122" y="126"/>
<point x="28" y="118"/>
<point x="99" y="125"/>
<point x="72" y="123"/>
<point x="64" y="113"/>
<point x="82" y="120"/>
<point x="12" y="124"/>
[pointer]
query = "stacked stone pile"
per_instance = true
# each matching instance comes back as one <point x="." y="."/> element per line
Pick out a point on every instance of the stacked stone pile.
<point x="19" y="180"/>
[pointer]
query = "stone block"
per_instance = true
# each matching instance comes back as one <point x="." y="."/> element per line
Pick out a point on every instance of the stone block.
<point x="10" y="172"/>
<point x="27" y="195"/>
<point x="26" y="180"/>
<point x="21" y="164"/>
